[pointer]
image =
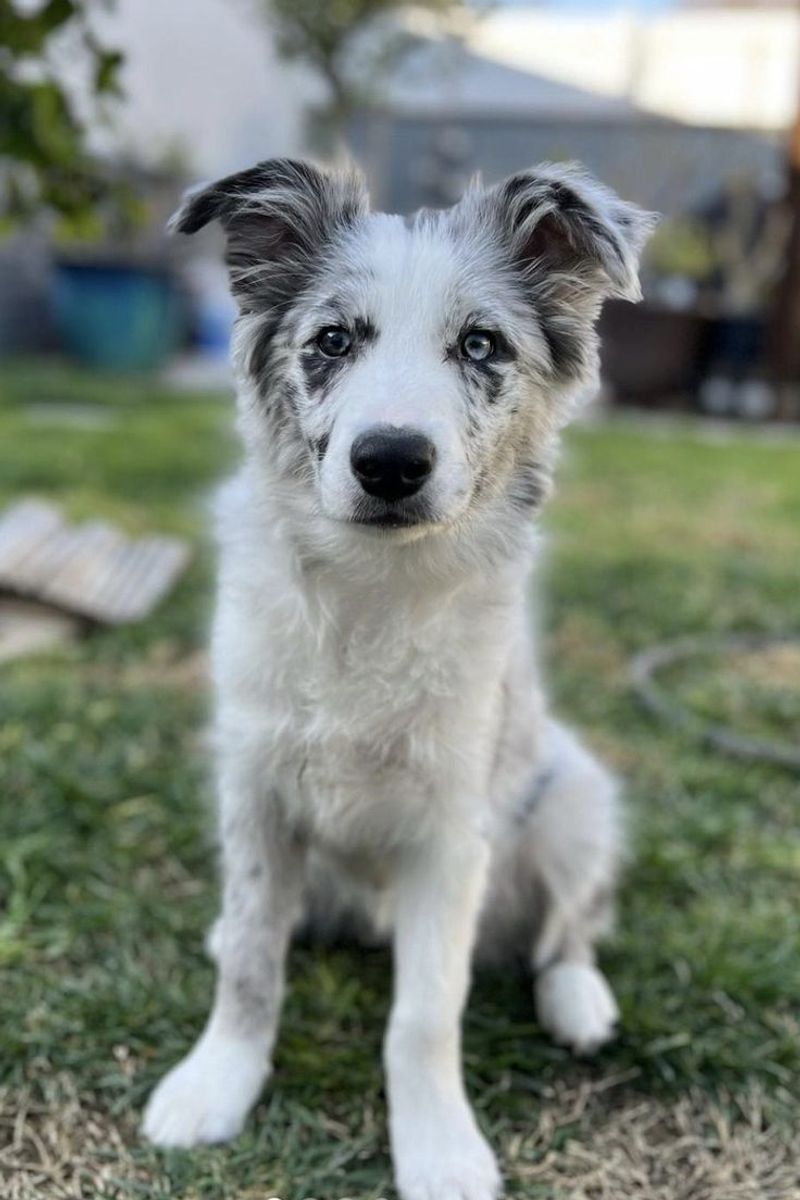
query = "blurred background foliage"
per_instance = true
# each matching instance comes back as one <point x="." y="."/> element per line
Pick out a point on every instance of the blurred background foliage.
<point x="352" y="44"/>
<point x="46" y="165"/>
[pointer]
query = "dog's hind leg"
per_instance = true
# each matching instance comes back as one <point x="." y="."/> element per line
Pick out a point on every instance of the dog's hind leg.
<point x="208" y="1095"/>
<point x="572" y="842"/>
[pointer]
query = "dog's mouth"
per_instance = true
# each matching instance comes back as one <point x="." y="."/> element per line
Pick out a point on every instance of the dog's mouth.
<point x="388" y="518"/>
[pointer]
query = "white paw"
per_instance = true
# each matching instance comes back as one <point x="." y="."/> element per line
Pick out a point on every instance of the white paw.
<point x="207" y="1097"/>
<point x="576" y="1006"/>
<point x="444" y="1160"/>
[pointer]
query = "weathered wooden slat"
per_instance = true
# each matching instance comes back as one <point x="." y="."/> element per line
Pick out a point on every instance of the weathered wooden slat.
<point x="124" y="565"/>
<point x="23" y="528"/>
<point x="41" y="559"/>
<point x="93" y="557"/>
<point x="60" y="555"/>
<point x="168" y="561"/>
<point x="29" y="515"/>
<point x="137" y="585"/>
<point x="118" y="565"/>
<point x="92" y="569"/>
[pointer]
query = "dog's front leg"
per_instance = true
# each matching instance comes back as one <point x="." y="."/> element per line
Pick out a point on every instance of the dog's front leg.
<point x="208" y="1095"/>
<point x="438" y="1151"/>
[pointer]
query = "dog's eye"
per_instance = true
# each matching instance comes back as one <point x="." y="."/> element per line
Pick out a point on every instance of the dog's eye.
<point x="477" y="345"/>
<point x="334" y="342"/>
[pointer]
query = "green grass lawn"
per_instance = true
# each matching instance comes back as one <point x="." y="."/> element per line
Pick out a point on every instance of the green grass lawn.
<point x="107" y="877"/>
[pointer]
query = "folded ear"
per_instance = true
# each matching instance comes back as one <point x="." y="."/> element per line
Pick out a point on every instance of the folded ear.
<point x="276" y="216"/>
<point x="558" y="218"/>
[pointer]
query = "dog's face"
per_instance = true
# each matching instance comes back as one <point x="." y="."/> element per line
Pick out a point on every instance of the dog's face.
<point x="408" y="373"/>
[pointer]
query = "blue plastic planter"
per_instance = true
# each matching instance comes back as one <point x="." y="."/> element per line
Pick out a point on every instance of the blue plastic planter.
<point x="121" y="318"/>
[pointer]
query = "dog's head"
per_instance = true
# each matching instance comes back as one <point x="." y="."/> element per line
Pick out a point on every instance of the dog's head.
<point x="409" y="374"/>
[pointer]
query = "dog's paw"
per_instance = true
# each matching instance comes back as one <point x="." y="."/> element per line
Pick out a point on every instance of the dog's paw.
<point x="576" y="1006"/>
<point x="207" y="1096"/>
<point x="446" y="1162"/>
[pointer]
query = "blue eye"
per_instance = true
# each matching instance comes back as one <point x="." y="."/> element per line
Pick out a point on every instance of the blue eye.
<point x="334" y="342"/>
<point x="477" y="345"/>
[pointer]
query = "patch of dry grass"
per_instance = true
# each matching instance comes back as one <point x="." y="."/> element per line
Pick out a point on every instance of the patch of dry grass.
<point x="648" y="1149"/>
<point x="54" y="1145"/>
<point x="587" y="1143"/>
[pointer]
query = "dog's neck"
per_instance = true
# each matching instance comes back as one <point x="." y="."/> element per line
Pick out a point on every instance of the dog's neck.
<point x="488" y="552"/>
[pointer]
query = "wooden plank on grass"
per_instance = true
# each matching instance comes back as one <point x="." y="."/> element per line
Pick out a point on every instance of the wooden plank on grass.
<point x="91" y="570"/>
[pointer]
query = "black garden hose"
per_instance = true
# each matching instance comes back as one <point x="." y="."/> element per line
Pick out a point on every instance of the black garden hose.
<point x="646" y="665"/>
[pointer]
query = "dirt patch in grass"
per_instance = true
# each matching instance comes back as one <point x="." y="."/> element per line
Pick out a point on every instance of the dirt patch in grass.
<point x="584" y="1145"/>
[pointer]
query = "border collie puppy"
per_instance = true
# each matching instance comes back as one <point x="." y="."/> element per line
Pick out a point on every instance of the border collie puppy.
<point x="383" y="749"/>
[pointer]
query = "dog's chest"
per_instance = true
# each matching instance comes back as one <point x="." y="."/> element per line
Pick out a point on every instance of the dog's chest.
<point x="384" y="719"/>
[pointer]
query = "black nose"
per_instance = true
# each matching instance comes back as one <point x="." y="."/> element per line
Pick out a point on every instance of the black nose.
<point x="392" y="463"/>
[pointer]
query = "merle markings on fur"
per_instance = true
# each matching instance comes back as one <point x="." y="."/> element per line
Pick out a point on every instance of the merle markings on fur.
<point x="383" y="748"/>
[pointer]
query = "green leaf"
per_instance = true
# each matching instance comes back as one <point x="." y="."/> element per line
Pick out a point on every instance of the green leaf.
<point x="106" y="72"/>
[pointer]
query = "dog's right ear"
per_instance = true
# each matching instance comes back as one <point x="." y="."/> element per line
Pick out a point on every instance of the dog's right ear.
<point x="276" y="216"/>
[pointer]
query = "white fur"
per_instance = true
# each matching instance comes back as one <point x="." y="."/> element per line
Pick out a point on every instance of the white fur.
<point x="207" y="1097"/>
<point x="576" y="1006"/>
<point x="381" y="739"/>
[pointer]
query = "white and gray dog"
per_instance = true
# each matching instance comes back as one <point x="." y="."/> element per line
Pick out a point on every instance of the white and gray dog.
<point x="382" y="746"/>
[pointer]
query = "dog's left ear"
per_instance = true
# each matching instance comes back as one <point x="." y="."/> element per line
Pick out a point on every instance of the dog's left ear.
<point x="558" y="218"/>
